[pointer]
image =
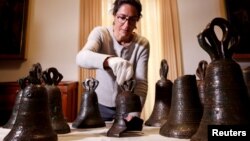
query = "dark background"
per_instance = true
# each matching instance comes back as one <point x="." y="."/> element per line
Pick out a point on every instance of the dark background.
<point x="12" y="28"/>
<point x="238" y="13"/>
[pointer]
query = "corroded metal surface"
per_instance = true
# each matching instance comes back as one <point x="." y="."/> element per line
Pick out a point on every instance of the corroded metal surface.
<point x="163" y="95"/>
<point x="11" y="121"/>
<point x="186" y="110"/>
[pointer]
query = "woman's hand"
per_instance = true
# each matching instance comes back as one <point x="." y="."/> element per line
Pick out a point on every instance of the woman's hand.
<point x="122" y="69"/>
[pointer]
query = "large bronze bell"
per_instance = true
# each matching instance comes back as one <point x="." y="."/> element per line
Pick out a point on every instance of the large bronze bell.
<point x="126" y="102"/>
<point x="89" y="115"/>
<point x="33" y="119"/>
<point x="52" y="78"/>
<point x="186" y="110"/>
<point x="201" y="73"/>
<point x="163" y="95"/>
<point x="226" y="97"/>
<point x="12" y="119"/>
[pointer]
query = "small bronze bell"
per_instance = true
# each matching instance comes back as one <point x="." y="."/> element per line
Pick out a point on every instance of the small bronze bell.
<point x="33" y="119"/>
<point x="226" y="98"/>
<point x="52" y="78"/>
<point x="89" y="115"/>
<point x="126" y="102"/>
<point x="200" y="73"/>
<point x="11" y="121"/>
<point x="186" y="110"/>
<point x="163" y="94"/>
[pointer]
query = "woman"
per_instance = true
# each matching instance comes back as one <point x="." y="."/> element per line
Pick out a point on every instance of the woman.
<point x="118" y="54"/>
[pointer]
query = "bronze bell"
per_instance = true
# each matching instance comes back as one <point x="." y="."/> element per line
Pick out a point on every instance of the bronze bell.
<point x="52" y="78"/>
<point x="200" y="73"/>
<point x="12" y="119"/>
<point x="126" y="102"/>
<point x="226" y="97"/>
<point x="163" y="95"/>
<point x="186" y="111"/>
<point x="33" y="119"/>
<point x="89" y="115"/>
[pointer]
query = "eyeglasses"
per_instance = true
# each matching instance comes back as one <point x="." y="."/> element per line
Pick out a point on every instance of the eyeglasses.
<point x="123" y="18"/>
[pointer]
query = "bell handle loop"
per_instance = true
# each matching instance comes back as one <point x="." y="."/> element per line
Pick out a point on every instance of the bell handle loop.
<point x="96" y="83"/>
<point x="164" y="69"/>
<point x="230" y="38"/>
<point x="221" y="45"/>
<point x="46" y="77"/>
<point x="90" y="84"/>
<point x="23" y="82"/>
<point x="223" y="48"/>
<point x="52" y="76"/>
<point x="201" y="70"/>
<point x="55" y="76"/>
<point x="129" y="85"/>
<point x="230" y="41"/>
<point x="85" y="85"/>
<point x="35" y="74"/>
<point x="203" y="42"/>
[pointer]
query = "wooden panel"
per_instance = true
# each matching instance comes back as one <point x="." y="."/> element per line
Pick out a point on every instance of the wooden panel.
<point x="69" y="92"/>
<point x="8" y="92"/>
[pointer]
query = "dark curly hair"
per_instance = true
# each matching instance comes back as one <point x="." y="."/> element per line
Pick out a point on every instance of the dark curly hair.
<point x="136" y="3"/>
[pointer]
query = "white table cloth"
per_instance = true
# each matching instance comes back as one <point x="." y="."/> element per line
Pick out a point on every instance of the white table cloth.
<point x="99" y="134"/>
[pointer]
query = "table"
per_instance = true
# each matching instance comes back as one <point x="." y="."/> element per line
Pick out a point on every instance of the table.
<point x="99" y="134"/>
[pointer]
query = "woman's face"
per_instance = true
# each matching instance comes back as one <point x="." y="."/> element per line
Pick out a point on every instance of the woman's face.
<point x="125" y="22"/>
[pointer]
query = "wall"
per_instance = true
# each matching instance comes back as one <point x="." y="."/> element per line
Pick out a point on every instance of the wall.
<point x="194" y="16"/>
<point x="52" y="39"/>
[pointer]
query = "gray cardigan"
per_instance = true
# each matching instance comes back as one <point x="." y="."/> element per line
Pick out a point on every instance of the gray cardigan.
<point x="102" y="44"/>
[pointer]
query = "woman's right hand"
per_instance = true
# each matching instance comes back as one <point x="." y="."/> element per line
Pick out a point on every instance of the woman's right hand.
<point x="122" y="69"/>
